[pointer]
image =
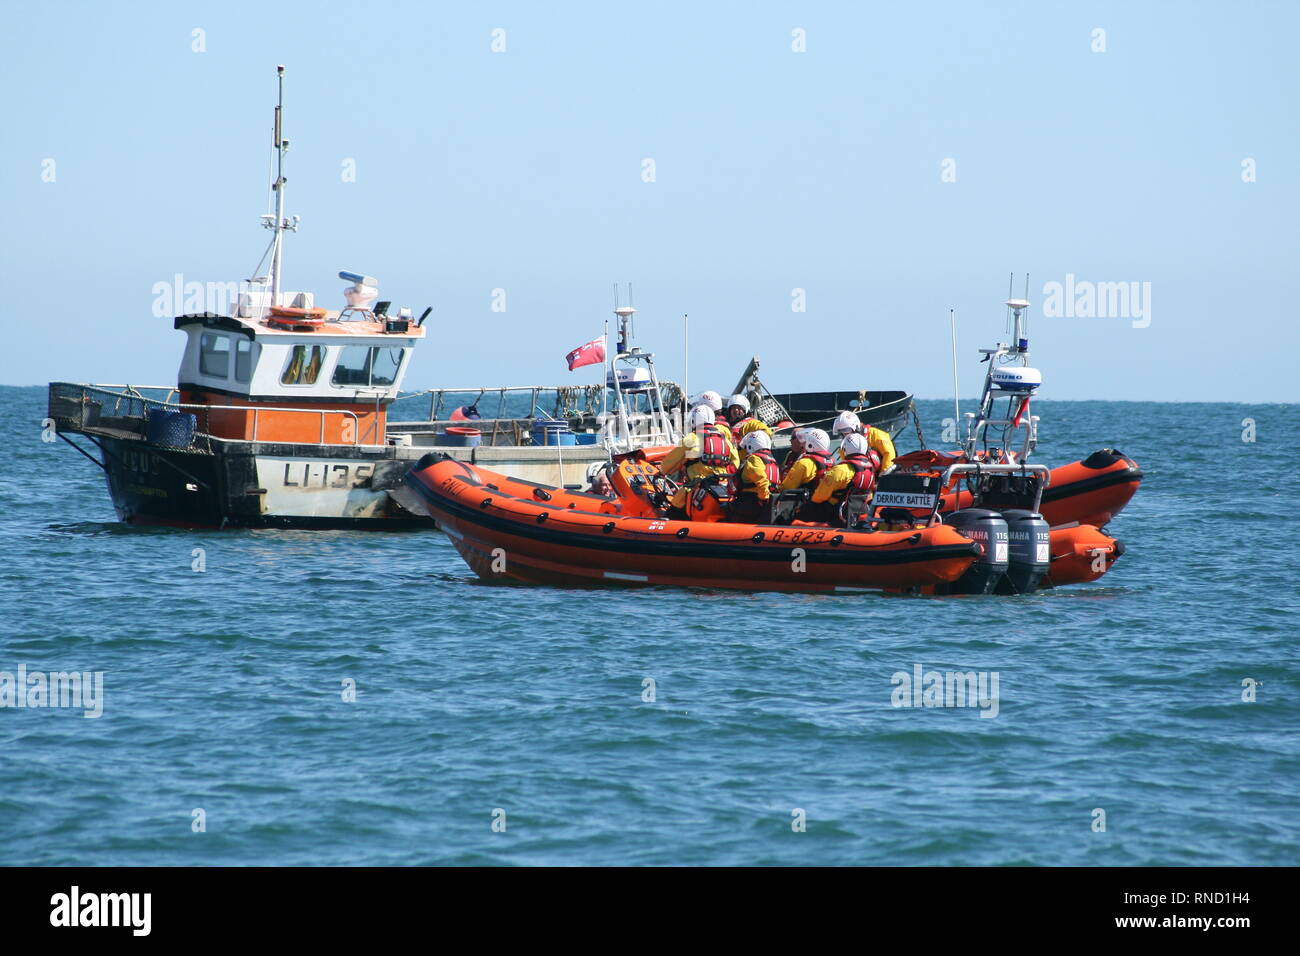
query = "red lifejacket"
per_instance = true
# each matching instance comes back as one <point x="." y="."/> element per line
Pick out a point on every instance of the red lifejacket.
<point x="740" y="486"/>
<point x="865" y="468"/>
<point x="715" y="449"/>
<point x="821" y="461"/>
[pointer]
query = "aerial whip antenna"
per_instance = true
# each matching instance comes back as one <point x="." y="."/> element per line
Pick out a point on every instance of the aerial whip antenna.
<point x="956" y="391"/>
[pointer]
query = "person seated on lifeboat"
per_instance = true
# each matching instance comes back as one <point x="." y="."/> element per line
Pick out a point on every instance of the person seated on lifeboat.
<point x="879" y="441"/>
<point x="854" y="475"/>
<point x="754" y="482"/>
<point x="796" y="451"/>
<point x="710" y="398"/>
<point x="740" y="419"/>
<point x="707" y="449"/>
<point x="812" y="463"/>
<point x="598" y="482"/>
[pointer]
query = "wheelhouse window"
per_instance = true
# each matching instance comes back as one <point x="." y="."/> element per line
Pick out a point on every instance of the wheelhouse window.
<point x="214" y="355"/>
<point x="367" y="366"/>
<point x="243" y="359"/>
<point x="304" y="365"/>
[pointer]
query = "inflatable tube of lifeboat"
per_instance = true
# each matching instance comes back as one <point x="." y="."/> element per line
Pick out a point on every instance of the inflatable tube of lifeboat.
<point x="1092" y="491"/>
<point x="506" y="528"/>
<point x="1079" y="555"/>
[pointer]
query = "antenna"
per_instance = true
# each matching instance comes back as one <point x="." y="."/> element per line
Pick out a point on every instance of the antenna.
<point x="277" y="221"/>
<point x="686" y="357"/>
<point x="1025" y="326"/>
<point x="1018" y="307"/>
<point x="956" y="391"/>
<point x="1011" y="281"/>
<point x="624" y="313"/>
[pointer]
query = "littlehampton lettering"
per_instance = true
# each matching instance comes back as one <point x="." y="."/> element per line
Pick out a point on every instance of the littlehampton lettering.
<point x="946" y="689"/>
<point x="102" y="909"/>
<point x="84" y="689"/>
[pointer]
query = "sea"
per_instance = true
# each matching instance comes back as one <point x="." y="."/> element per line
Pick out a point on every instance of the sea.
<point x="361" y="698"/>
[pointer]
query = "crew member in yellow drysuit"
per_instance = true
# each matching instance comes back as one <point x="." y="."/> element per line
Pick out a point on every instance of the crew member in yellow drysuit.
<point x="879" y="441"/>
<point x="707" y="449"/>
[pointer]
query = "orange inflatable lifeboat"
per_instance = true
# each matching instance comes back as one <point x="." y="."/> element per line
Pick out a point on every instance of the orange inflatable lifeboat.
<point x="509" y="529"/>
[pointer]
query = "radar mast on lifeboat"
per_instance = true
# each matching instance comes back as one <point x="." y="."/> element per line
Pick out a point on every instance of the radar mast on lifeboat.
<point x="1012" y="436"/>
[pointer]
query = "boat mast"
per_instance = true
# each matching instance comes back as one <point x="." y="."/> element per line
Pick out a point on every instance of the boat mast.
<point x="278" y="222"/>
<point x="1014" y="353"/>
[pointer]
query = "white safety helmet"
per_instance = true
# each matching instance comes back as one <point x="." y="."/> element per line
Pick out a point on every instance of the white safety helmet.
<point x="800" y="436"/>
<point x="709" y="398"/>
<point x="594" y="470"/>
<point x="814" y="439"/>
<point x="854" y="445"/>
<point x="700" y="416"/>
<point x="740" y="400"/>
<point x="757" y="440"/>
<point x="847" y="423"/>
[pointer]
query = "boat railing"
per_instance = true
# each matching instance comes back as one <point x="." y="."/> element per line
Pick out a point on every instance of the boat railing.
<point x="87" y="408"/>
<point x="507" y="413"/>
<point x="553" y="401"/>
<point x="1007" y="428"/>
<point x="980" y="468"/>
<point x="644" y="429"/>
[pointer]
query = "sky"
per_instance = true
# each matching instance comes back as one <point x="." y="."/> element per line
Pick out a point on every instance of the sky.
<point x="815" y="183"/>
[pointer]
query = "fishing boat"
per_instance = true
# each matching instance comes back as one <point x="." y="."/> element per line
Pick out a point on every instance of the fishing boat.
<point x="888" y="410"/>
<point x="280" y="414"/>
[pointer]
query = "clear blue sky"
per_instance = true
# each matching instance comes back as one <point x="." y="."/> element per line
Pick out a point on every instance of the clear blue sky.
<point x="775" y="170"/>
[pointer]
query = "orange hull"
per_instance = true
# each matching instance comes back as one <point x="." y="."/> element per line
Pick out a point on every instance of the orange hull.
<point x="1080" y="554"/>
<point x="510" y="529"/>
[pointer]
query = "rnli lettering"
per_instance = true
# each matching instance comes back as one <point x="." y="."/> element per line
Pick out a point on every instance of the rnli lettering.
<point x="322" y="474"/>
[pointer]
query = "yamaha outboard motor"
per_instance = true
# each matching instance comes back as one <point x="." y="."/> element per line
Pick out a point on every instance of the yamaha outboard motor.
<point x="1030" y="552"/>
<point x="989" y="529"/>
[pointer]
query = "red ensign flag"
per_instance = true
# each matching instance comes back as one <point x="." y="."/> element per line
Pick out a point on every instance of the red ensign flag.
<point x="1024" y="407"/>
<point x="589" y="354"/>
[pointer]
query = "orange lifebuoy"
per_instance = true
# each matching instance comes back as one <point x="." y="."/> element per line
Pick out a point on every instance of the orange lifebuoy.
<point x="293" y="312"/>
<point x="294" y="317"/>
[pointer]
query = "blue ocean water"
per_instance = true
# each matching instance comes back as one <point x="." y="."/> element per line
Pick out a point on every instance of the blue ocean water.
<point x="223" y="690"/>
